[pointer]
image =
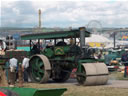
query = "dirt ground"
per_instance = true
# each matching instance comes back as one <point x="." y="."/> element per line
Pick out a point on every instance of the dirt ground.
<point x="116" y="86"/>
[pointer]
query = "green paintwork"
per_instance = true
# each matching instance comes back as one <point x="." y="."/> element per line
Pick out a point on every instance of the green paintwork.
<point x="53" y="35"/>
<point x="66" y="58"/>
<point x="72" y="58"/>
<point x="88" y="61"/>
<point x="37" y="70"/>
<point x="85" y="61"/>
<point x="48" y="52"/>
<point x="61" y="50"/>
<point x="58" y="50"/>
<point x="100" y="60"/>
<point x="37" y="92"/>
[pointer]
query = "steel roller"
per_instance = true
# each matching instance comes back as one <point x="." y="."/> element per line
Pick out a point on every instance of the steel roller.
<point x="95" y="74"/>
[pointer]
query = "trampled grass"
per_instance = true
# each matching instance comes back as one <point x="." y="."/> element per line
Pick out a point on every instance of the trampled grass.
<point x="76" y="90"/>
<point x="117" y="76"/>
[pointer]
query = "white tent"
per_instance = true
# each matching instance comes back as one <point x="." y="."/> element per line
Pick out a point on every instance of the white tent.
<point x="95" y="39"/>
<point x="98" y="39"/>
<point x="110" y="45"/>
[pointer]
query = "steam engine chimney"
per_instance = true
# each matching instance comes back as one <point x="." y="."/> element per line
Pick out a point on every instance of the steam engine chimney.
<point x="39" y="18"/>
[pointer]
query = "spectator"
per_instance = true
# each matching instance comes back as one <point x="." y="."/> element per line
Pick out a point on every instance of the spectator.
<point x="2" y="45"/>
<point x="12" y="72"/>
<point x="124" y="60"/>
<point x="35" y="49"/>
<point x="25" y="65"/>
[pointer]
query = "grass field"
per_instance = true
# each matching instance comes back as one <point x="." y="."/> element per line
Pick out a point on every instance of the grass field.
<point x="117" y="76"/>
<point x="76" y="90"/>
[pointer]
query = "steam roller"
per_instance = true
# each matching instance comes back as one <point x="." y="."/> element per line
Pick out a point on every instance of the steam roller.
<point x="58" y="58"/>
<point x="93" y="74"/>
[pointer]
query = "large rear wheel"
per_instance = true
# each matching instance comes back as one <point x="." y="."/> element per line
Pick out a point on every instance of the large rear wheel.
<point x="39" y="69"/>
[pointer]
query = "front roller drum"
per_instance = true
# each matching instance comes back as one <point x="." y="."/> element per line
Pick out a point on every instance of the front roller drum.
<point x="93" y="74"/>
<point x="39" y="69"/>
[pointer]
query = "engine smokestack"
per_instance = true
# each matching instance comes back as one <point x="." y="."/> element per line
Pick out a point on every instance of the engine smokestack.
<point x="82" y="37"/>
<point x="39" y="18"/>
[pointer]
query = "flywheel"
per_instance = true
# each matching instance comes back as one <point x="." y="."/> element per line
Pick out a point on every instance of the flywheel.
<point x="39" y="69"/>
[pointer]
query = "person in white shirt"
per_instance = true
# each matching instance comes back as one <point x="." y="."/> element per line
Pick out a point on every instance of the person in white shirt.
<point x="25" y="65"/>
<point x="2" y="45"/>
<point x="13" y="63"/>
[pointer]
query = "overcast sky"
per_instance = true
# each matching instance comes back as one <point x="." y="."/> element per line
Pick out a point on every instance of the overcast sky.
<point x="63" y="13"/>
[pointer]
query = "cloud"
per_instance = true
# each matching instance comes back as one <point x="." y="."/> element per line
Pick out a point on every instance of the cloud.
<point x="0" y="13"/>
<point x="17" y="13"/>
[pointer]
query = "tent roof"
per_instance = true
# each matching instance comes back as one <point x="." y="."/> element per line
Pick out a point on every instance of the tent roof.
<point x="97" y="38"/>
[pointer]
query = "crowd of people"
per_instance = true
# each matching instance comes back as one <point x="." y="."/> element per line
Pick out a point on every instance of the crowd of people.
<point x="14" y="67"/>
